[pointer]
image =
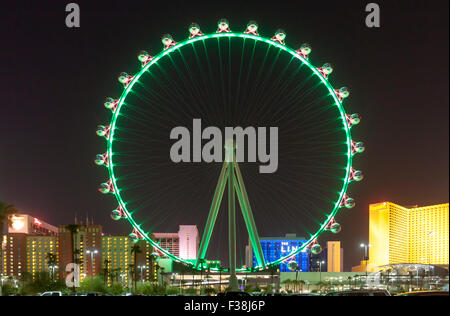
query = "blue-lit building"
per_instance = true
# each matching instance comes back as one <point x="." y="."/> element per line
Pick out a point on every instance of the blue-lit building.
<point x="274" y="248"/>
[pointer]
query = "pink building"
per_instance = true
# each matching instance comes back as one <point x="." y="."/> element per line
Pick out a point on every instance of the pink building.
<point x="189" y="241"/>
<point x="183" y="244"/>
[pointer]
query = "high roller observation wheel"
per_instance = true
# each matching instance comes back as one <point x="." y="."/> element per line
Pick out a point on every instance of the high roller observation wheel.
<point x="251" y="32"/>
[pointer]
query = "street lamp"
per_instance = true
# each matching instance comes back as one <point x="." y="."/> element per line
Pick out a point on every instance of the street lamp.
<point x="175" y="276"/>
<point x="92" y="253"/>
<point x="429" y="242"/>
<point x="142" y="268"/>
<point x="430" y="236"/>
<point x="122" y="278"/>
<point x="1" y="285"/>
<point x="319" y="263"/>
<point x="53" y="267"/>
<point x="366" y="255"/>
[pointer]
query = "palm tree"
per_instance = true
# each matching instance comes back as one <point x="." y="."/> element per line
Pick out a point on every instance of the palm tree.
<point x="73" y="229"/>
<point x="287" y="283"/>
<point x="106" y="263"/>
<point x="320" y="284"/>
<point x="162" y="275"/>
<point x="202" y="261"/>
<point x="294" y="286"/>
<point x="256" y="281"/>
<point x="388" y="274"/>
<point x="5" y="211"/>
<point x="349" y="279"/>
<point x="221" y="269"/>
<point x="301" y="283"/>
<point x="135" y="250"/>
<point x="152" y="264"/>
<point x="182" y="269"/>
<point x="116" y="274"/>
<point x="273" y="271"/>
<point x="194" y="272"/>
<point x="51" y="263"/>
<point x="131" y="273"/>
<point x="76" y="253"/>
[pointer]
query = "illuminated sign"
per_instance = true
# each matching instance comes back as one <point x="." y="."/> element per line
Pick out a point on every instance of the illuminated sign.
<point x="17" y="222"/>
<point x="288" y="248"/>
<point x="26" y="224"/>
<point x="274" y="249"/>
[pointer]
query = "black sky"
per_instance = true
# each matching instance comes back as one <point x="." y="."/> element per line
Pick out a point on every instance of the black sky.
<point x="54" y="81"/>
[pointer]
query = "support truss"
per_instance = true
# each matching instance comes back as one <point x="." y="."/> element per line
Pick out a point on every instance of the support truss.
<point x="232" y="176"/>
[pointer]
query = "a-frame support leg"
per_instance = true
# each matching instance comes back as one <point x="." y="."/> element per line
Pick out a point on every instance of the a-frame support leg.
<point x="232" y="176"/>
<point x="233" y="281"/>
<point x="213" y="211"/>
<point x="248" y="216"/>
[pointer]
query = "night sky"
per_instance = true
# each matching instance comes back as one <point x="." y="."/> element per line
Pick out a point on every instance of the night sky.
<point x="55" y="79"/>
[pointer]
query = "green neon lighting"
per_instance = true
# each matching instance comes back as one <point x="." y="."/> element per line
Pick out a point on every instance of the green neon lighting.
<point x="324" y="81"/>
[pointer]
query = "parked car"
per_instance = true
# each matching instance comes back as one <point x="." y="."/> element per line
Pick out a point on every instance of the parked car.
<point x="303" y="294"/>
<point x="425" y="293"/>
<point x="233" y="294"/>
<point x="87" y="294"/>
<point x="274" y="294"/>
<point x="360" y="293"/>
<point x="56" y="293"/>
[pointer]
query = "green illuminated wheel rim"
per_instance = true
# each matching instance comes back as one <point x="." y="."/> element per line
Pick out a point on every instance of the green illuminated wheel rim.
<point x="336" y="97"/>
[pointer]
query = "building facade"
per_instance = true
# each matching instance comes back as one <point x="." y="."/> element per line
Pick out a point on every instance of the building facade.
<point x="116" y="258"/>
<point x="274" y="248"/>
<point x="400" y="234"/>
<point x="34" y="246"/>
<point x="85" y="250"/>
<point x="169" y="242"/>
<point x="189" y="241"/>
<point x="183" y="244"/>
<point x="313" y="281"/>
<point x="42" y="255"/>
<point x="335" y="257"/>
<point x="331" y="259"/>
<point x="26" y="246"/>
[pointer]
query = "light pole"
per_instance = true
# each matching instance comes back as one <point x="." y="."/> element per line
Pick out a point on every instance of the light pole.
<point x="366" y="255"/>
<point x="1" y="285"/>
<point x="175" y="276"/>
<point x="320" y="273"/>
<point x="53" y="267"/>
<point x="142" y="268"/>
<point x="430" y="236"/>
<point x="122" y="278"/>
<point x="92" y="253"/>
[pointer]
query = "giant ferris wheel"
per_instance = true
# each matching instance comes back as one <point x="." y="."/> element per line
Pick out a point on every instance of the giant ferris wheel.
<point x="229" y="78"/>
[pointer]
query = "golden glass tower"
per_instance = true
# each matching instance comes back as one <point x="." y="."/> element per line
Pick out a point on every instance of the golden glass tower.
<point x="400" y="234"/>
